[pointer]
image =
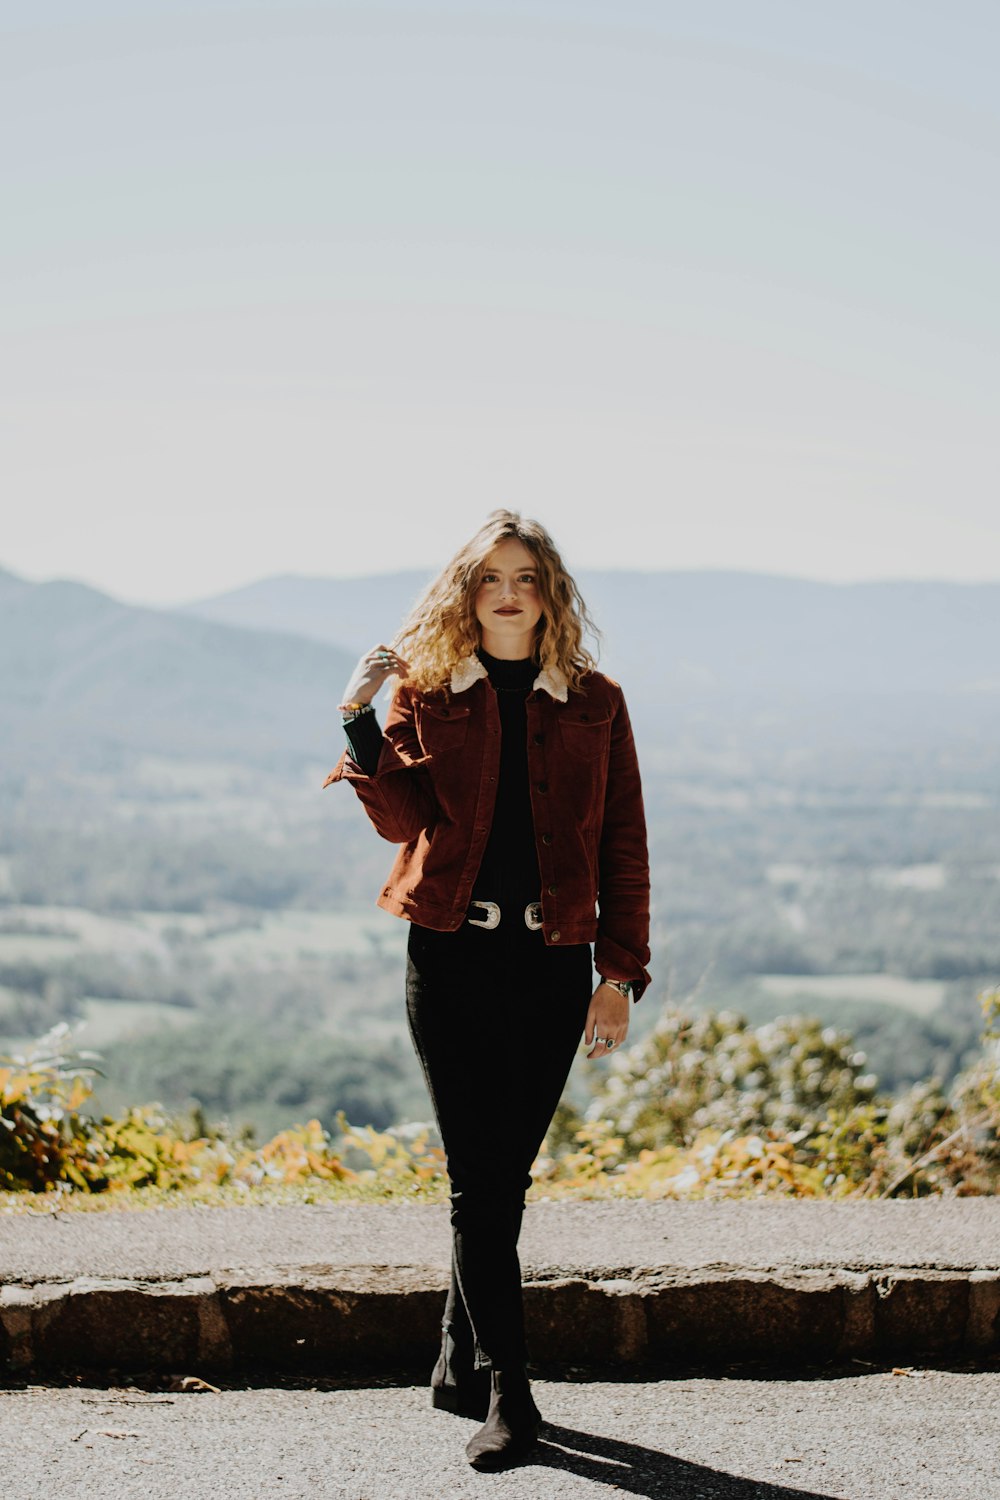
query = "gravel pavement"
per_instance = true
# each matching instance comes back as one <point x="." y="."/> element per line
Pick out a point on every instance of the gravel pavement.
<point x="595" y="1238"/>
<point x="924" y="1435"/>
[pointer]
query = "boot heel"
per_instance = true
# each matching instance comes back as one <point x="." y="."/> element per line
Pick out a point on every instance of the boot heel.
<point x="456" y="1385"/>
<point x="462" y="1401"/>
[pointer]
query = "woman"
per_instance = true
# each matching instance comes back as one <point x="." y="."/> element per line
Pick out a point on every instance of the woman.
<point x="507" y="775"/>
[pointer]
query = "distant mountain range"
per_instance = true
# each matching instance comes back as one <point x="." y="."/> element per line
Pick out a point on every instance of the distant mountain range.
<point x="88" y="681"/>
<point x="732" y="661"/>
<point x="713" y="657"/>
<point x="711" y="631"/>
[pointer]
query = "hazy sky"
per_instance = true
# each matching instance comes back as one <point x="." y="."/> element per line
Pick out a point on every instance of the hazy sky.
<point x="312" y="287"/>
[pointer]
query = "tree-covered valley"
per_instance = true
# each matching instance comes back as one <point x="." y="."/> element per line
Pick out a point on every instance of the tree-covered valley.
<point x="173" y="874"/>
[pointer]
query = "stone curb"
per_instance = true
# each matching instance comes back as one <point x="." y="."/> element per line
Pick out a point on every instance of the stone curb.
<point x="383" y="1319"/>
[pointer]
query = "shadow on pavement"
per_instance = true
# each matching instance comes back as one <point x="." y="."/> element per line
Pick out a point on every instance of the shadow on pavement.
<point x="646" y="1471"/>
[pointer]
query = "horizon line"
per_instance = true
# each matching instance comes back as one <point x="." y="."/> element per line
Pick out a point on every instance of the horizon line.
<point x="431" y="572"/>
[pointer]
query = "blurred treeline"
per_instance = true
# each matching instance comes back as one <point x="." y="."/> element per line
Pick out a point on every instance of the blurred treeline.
<point x="751" y="878"/>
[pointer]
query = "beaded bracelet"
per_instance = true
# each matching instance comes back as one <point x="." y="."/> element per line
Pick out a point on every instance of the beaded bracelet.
<point x="355" y="710"/>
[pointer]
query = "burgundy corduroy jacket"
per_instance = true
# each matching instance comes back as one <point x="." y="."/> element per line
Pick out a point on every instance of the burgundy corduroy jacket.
<point x="433" y="793"/>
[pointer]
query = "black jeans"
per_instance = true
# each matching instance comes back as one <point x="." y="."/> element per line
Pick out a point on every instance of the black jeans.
<point x="495" y="1017"/>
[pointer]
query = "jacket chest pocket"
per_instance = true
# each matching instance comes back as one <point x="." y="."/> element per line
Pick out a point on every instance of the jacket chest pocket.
<point x="442" y="727"/>
<point x="584" y="736"/>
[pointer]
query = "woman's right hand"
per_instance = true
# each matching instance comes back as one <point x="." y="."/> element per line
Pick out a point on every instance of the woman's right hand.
<point x="372" y="670"/>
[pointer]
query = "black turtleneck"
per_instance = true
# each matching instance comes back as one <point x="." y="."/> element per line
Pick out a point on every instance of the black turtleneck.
<point x="508" y="873"/>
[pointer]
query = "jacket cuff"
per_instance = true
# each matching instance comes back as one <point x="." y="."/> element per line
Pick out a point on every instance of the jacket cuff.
<point x="364" y="736"/>
<point x="348" y="769"/>
<point x="615" y="962"/>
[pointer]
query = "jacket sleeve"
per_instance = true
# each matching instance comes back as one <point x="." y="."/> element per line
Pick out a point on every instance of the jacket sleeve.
<point x="397" y="795"/>
<point x="364" y="741"/>
<point x="622" y="947"/>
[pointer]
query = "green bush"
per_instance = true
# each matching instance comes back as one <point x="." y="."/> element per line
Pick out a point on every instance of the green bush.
<point x="714" y="1071"/>
<point x="705" y="1106"/>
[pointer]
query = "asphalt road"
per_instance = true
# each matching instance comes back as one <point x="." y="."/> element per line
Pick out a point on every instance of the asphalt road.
<point x="923" y="1434"/>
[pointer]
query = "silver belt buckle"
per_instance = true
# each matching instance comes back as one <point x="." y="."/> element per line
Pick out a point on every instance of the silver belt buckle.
<point x="492" y="918"/>
<point x="533" y="915"/>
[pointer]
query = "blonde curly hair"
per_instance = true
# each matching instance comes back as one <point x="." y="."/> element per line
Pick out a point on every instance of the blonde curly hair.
<point x="442" y="627"/>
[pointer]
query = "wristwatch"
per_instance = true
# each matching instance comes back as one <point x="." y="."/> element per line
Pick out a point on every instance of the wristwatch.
<point x="623" y="986"/>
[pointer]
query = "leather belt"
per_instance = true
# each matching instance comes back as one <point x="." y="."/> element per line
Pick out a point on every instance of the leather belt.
<point x="532" y="914"/>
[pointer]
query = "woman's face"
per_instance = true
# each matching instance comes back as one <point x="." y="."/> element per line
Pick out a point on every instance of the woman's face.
<point x="508" y="605"/>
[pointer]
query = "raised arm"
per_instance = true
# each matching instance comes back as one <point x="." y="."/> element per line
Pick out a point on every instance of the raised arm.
<point x="395" y="792"/>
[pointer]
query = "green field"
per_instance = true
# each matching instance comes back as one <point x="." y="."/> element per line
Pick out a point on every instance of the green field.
<point x="52" y="933"/>
<point x="921" y="997"/>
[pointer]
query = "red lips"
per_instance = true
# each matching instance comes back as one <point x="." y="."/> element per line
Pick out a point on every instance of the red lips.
<point x="507" y="611"/>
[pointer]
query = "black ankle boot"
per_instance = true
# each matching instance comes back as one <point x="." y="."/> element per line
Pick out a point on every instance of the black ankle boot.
<point x="512" y="1422"/>
<point x="456" y="1386"/>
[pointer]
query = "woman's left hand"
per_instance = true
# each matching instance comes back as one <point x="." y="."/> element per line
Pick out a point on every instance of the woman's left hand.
<point x="607" y="1018"/>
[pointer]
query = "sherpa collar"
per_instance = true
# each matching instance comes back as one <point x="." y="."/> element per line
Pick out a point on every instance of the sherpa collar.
<point x="470" y="669"/>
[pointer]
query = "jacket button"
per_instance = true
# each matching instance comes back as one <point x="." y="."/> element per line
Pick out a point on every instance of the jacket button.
<point x="556" y="935"/>
<point x="538" y="739"/>
<point x="546" y="838"/>
<point x="541" y="786"/>
<point x="552" y="890"/>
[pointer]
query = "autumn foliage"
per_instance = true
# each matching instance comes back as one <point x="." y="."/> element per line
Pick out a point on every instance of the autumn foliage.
<point x="705" y="1106"/>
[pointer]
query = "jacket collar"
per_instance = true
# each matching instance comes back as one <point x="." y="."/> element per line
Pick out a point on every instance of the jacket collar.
<point x="470" y="669"/>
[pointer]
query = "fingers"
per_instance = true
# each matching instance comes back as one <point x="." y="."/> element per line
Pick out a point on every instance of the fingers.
<point x="604" y="1042"/>
<point x="372" y="671"/>
<point x="603" y="1045"/>
<point x="606" y="1028"/>
<point x="384" y="659"/>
